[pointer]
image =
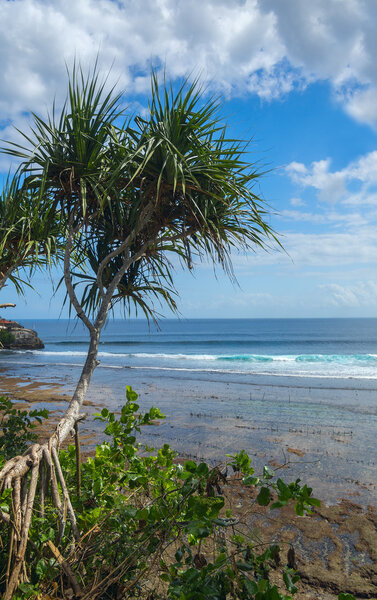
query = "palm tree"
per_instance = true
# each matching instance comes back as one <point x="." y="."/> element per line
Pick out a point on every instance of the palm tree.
<point x="131" y="194"/>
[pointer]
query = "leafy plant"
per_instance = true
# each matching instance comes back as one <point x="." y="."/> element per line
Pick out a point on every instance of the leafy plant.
<point x="29" y="230"/>
<point x="145" y="517"/>
<point x="17" y="428"/>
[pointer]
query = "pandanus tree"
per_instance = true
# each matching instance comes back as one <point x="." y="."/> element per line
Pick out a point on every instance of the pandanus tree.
<point x="29" y="230"/>
<point x="131" y="195"/>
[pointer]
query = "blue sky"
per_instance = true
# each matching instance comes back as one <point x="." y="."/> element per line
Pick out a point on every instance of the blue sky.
<point x="298" y="77"/>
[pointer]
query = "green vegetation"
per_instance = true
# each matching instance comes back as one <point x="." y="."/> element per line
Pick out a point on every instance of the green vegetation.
<point x="29" y="230"/>
<point x="17" y="428"/>
<point x="6" y="337"/>
<point x="151" y="527"/>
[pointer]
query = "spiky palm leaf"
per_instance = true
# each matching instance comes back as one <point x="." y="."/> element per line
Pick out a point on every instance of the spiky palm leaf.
<point x="71" y="151"/>
<point x="170" y="182"/>
<point x="199" y="180"/>
<point x="29" y="230"/>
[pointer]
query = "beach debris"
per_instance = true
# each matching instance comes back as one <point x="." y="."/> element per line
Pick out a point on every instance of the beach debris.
<point x="291" y="558"/>
<point x="296" y="451"/>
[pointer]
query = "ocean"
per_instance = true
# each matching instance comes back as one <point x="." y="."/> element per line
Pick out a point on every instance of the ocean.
<point x="300" y="348"/>
<point x="273" y="386"/>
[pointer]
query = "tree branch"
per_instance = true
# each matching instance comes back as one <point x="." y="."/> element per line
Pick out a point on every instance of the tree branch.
<point x="68" y="280"/>
<point x="129" y="239"/>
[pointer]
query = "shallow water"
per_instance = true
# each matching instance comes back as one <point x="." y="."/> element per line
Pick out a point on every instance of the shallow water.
<point x="296" y="391"/>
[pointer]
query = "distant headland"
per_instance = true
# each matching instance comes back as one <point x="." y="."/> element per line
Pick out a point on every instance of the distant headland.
<point x="14" y="336"/>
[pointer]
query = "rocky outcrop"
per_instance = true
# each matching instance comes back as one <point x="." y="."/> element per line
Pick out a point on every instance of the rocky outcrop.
<point x="14" y="336"/>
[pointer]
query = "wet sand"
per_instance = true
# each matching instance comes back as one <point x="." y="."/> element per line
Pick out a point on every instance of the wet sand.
<point x="28" y="394"/>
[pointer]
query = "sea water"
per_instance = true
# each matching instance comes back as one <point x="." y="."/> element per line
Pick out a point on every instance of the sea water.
<point x="311" y="348"/>
<point x="266" y="385"/>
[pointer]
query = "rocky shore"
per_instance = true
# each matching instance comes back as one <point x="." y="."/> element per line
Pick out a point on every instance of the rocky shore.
<point x="335" y="549"/>
<point x="14" y="336"/>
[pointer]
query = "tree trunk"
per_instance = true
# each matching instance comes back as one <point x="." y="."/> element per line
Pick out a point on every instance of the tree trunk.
<point x="66" y="425"/>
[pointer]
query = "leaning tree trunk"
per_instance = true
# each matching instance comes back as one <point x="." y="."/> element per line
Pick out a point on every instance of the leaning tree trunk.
<point x="72" y="415"/>
<point x="40" y="465"/>
<point x="37" y="473"/>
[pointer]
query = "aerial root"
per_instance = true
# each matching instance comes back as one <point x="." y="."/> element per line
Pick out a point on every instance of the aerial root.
<point x="45" y="475"/>
<point x="17" y="550"/>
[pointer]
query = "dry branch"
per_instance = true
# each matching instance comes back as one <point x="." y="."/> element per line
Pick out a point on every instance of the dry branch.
<point x="66" y="568"/>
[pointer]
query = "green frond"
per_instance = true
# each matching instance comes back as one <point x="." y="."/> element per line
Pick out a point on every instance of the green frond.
<point x="171" y="183"/>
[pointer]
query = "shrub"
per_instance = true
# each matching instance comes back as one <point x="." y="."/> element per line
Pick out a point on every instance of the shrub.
<point x="6" y="338"/>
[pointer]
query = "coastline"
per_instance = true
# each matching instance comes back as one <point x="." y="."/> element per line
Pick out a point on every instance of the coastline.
<point x="338" y="540"/>
<point x="306" y="433"/>
<point x="28" y="394"/>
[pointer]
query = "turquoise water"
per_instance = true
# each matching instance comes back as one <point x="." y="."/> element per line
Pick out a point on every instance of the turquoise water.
<point x="314" y="348"/>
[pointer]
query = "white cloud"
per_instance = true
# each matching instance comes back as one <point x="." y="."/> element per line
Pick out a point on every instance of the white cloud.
<point x="265" y="47"/>
<point x="297" y="216"/>
<point x="329" y="184"/>
<point x="364" y="169"/>
<point x="350" y="220"/>
<point x="355" y="184"/>
<point x="297" y="202"/>
<point x="359" y="294"/>
<point x="302" y="250"/>
<point x="333" y="40"/>
<point x="361" y="105"/>
<point x="333" y="249"/>
<point x="225" y="43"/>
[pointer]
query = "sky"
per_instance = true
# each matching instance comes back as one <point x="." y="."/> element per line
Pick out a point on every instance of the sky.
<point x="298" y="78"/>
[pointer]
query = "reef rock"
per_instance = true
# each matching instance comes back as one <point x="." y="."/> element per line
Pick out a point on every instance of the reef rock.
<point x="20" y="338"/>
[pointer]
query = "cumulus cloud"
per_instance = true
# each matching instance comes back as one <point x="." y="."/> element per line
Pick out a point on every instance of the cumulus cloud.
<point x="224" y="43"/>
<point x="329" y="184"/>
<point x="355" y="184"/>
<point x="263" y="47"/>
